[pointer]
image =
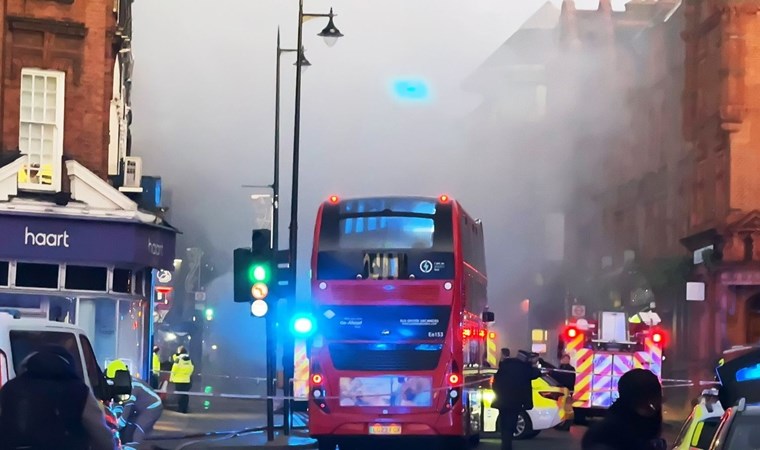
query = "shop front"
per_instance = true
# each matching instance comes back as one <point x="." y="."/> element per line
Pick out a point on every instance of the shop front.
<point x="61" y="264"/>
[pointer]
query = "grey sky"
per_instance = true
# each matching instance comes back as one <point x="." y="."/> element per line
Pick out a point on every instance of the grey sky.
<point x="204" y="93"/>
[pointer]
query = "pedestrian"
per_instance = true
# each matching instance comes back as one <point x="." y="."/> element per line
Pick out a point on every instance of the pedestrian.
<point x="155" y="375"/>
<point x="49" y="406"/>
<point x="565" y="373"/>
<point x="181" y="377"/>
<point x="514" y="392"/>
<point x="140" y="412"/>
<point x="634" y="421"/>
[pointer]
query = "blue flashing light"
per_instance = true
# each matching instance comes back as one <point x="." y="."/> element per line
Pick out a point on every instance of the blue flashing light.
<point x="380" y="347"/>
<point x="302" y="325"/>
<point x="411" y="90"/>
<point x="751" y="373"/>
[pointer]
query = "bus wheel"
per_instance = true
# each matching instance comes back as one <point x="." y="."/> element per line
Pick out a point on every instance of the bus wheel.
<point x="326" y="444"/>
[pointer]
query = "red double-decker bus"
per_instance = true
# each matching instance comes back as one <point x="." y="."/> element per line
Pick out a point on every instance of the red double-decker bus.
<point x="399" y="292"/>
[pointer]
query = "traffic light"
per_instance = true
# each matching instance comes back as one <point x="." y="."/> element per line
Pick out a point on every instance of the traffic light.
<point x="254" y="270"/>
<point x="303" y="325"/>
<point x="209" y="314"/>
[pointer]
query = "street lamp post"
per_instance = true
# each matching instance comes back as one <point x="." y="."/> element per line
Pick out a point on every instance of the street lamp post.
<point x="331" y="34"/>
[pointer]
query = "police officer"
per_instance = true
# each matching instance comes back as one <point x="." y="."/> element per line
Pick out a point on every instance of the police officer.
<point x="181" y="377"/>
<point x="141" y="412"/>
<point x="155" y="375"/>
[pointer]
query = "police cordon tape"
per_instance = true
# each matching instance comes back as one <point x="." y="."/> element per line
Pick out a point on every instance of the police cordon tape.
<point x="282" y="397"/>
<point x="673" y="383"/>
<point x="544" y="370"/>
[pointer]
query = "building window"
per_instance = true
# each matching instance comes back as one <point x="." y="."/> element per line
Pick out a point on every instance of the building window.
<point x="41" y="129"/>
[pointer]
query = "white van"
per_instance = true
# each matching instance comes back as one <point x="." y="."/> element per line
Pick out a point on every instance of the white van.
<point x="21" y="336"/>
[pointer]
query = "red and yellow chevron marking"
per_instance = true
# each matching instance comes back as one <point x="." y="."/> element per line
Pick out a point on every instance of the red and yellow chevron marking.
<point x="573" y="346"/>
<point x="301" y="373"/>
<point x="655" y="356"/>
<point x="641" y="360"/>
<point x="584" y="368"/>
<point x="492" y="357"/>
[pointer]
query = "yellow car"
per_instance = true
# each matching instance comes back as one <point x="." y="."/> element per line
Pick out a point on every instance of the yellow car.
<point x="550" y="409"/>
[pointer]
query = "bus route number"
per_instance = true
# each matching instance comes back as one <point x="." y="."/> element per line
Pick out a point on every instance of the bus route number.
<point x="435" y="334"/>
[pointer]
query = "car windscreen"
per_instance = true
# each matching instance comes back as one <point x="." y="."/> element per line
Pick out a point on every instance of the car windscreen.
<point x="24" y="343"/>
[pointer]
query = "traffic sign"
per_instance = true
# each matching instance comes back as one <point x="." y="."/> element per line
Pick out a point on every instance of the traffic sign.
<point x="578" y="311"/>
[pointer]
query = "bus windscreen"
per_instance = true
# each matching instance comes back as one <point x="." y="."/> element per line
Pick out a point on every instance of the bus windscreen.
<point x="380" y="232"/>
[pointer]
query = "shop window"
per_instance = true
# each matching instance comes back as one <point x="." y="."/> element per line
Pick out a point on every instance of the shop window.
<point x="62" y="309"/>
<point x="122" y="281"/>
<point x="33" y="275"/>
<point x="4" y="265"/>
<point x="130" y="334"/>
<point x="21" y="301"/>
<point x="41" y="129"/>
<point x="97" y="317"/>
<point x="86" y="278"/>
<point x="139" y="287"/>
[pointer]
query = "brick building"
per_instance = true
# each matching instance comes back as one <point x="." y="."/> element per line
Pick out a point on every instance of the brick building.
<point x="82" y="229"/>
<point x="720" y="105"/>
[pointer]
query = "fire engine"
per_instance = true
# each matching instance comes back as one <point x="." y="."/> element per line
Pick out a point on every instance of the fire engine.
<point x="603" y="349"/>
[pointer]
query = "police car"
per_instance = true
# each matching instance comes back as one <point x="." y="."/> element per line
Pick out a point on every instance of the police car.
<point x="548" y="411"/>
<point x="739" y="394"/>
<point x="699" y="428"/>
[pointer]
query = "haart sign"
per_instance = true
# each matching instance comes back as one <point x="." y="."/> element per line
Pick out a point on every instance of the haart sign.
<point x="86" y="241"/>
<point x="46" y="239"/>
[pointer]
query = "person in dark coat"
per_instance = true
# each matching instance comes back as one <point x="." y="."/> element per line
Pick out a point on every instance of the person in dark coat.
<point x="634" y="421"/>
<point x="514" y="393"/>
<point x="567" y="375"/>
<point x="49" y="406"/>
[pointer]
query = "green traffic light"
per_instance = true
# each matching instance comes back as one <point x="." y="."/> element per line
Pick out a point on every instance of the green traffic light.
<point x="258" y="273"/>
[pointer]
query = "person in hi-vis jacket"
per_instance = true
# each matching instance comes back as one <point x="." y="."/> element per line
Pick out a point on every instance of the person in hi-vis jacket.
<point x="140" y="412"/>
<point x="181" y="377"/>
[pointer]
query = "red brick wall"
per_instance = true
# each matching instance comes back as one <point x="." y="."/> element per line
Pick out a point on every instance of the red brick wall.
<point x="74" y="38"/>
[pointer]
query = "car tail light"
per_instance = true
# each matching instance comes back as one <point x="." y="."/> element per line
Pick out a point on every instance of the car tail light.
<point x="551" y="395"/>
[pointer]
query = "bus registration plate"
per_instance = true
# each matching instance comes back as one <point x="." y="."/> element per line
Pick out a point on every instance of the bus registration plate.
<point x="379" y="428"/>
